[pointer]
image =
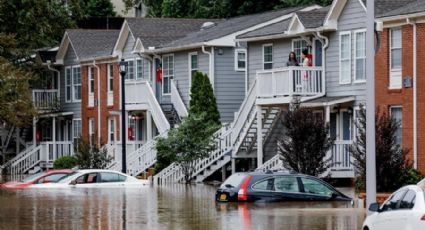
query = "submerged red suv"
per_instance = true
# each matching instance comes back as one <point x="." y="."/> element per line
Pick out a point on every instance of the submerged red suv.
<point x="276" y="186"/>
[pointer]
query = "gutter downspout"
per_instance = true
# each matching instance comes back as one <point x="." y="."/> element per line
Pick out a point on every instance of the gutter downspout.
<point x="211" y="55"/>
<point x="98" y="103"/>
<point x="324" y="47"/>
<point x="415" y="111"/>
<point x="59" y="74"/>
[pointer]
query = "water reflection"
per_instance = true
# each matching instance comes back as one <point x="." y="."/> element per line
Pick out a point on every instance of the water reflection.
<point x="169" y="207"/>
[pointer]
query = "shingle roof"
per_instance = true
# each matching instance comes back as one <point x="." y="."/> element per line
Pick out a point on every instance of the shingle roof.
<point x="273" y="29"/>
<point x="229" y="26"/>
<point x="310" y="19"/>
<point x="314" y="18"/>
<point x="159" y="31"/>
<point x="400" y="7"/>
<point x="92" y="43"/>
<point x="383" y="7"/>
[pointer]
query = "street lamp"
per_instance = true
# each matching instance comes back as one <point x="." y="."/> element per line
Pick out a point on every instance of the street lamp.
<point x="123" y="70"/>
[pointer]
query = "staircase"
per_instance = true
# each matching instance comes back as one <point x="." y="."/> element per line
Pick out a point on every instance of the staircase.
<point x="275" y="163"/>
<point x="203" y="167"/>
<point x="171" y="114"/>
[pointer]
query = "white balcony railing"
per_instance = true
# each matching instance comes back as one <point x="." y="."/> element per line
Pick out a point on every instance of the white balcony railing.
<point x="177" y="101"/>
<point x="290" y="81"/>
<point x="341" y="156"/>
<point x="45" y="99"/>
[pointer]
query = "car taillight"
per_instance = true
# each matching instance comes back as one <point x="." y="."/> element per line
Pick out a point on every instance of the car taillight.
<point x="423" y="217"/>
<point x="242" y="194"/>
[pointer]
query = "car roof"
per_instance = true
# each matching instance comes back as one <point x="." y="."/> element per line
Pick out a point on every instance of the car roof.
<point x="416" y="188"/>
<point x="275" y="173"/>
<point x="97" y="171"/>
<point x="60" y="171"/>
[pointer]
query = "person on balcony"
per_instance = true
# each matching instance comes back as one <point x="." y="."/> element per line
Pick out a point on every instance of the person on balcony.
<point x="292" y="60"/>
<point x="307" y="62"/>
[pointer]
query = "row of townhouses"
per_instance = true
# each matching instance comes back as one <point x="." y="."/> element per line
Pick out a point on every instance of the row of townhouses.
<point x="246" y="60"/>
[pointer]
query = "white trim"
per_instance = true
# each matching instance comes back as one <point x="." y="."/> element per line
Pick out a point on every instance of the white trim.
<point x="295" y="26"/>
<point x="263" y="63"/>
<point x="237" y="51"/>
<point x="68" y="85"/>
<point x="112" y="119"/>
<point x="355" y="55"/>
<point x="74" y="85"/>
<point x="122" y="39"/>
<point x="190" y="67"/>
<point x="73" y="127"/>
<point x="293" y="48"/>
<point x="110" y="93"/>
<point x="169" y="76"/>
<point x="395" y="72"/>
<point x="90" y="77"/>
<point x="350" y="58"/>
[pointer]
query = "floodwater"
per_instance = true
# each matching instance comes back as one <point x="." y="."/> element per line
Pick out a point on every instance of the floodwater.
<point x="164" y="207"/>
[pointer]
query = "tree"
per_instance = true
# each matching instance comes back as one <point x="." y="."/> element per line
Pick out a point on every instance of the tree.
<point x="90" y="156"/>
<point x="65" y="162"/>
<point x="305" y="142"/>
<point x="191" y="141"/>
<point x="203" y="99"/>
<point x="98" y="8"/>
<point x="392" y="166"/>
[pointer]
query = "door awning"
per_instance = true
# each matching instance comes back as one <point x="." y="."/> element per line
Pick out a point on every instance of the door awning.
<point x="327" y="101"/>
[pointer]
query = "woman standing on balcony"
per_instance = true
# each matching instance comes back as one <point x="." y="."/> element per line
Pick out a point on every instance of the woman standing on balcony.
<point x="292" y="59"/>
<point x="306" y="63"/>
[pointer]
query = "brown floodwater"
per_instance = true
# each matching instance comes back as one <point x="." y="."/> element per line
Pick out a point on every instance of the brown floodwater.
<point x="164" y="207"/>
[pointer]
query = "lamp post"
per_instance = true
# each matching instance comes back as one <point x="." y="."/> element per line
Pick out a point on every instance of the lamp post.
<point x="123" y="71"/>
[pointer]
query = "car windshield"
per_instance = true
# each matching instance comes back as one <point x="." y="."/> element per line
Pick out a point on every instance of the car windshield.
<point x="233" y="181"/>
<point x="32" y="177"/>
<point x="64" y="179"/>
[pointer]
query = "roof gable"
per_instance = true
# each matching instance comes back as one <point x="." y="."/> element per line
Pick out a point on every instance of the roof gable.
<point x="337" y="7"/>
<point x="63" y="49"/>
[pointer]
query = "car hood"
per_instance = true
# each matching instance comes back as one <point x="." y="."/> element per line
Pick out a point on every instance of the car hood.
<point x="13" y="184"/>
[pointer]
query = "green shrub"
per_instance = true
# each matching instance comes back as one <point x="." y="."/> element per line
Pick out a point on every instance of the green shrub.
<point x="410" y="176"/>
<point x="65" y="162"/>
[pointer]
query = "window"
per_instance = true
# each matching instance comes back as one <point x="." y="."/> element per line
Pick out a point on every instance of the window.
<point x="193" y="66"/>
<point x="286" y="184"/>
<point x="240" y="60"/>
<point x="346" y="126"/>
<point x="395" y="58"/>
<point x="76" y="129"/>
<point x="91" y="80"/>
<point x="139" y="63"/>
<point x="268" y="56"/>
<point x="397" y="114"/>
<point x="111" y="177"/>
<point x="87" y="178"/>
<point x="234" y="180"/>
<point x="408" y="200"/>
<point x="167" y="73"/>
<point x="51" y="178"/>
<point x="68" y="84"/>
<point x="264" y="185"/>
<point x="91" y="130"/>
<point x="345" y="58"/>
<point x="360" y="55"/>
<point x="130" y="70"/>
<point x="111" y="130"/>
<point x="393" y="202"/>
<point x="298" y="46"/>
<point x="76" y="82"/>
<point x="312" y="186"/>
<point x="110" y="78"/>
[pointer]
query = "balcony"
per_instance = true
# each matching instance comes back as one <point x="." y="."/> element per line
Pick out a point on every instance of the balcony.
<point x="46" y="100"/>
<point x="280" y="85"/>
<point x="341" y="160"/>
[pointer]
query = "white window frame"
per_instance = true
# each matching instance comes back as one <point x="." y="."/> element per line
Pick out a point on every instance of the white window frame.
<point x="341" y="82"/>
<point x="237" y="52"/>
<point x="355" y="56"/>
<point x="110" y="91"/>
<point x="68" y="100"/>
<point x="91" y="130"/>
<point x="167" y="76"/>
<point x="293" y="49"/>
<point x="190" y="67"/>
<point x="266" y="45"/>
<point x="134" y="74"/>
<point x="110" y="131"/>
<point x="90" y="89"/>
<point x="74" y="122"/>
<point x="395" y="78"/>
<point x="401" y="123"/>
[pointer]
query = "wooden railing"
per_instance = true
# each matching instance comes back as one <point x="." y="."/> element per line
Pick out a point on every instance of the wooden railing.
<point x="45" y="99"/>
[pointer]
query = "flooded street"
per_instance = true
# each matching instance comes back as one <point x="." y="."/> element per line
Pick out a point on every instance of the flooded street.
<point x="166" y="207"/>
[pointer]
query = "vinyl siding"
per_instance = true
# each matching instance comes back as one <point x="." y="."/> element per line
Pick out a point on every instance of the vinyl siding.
<point x="352" y="18"/>
<point x="229" y="84"/>
<point x="75" y="107"/>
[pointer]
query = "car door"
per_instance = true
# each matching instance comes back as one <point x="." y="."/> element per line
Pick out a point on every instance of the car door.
<point x="88" y="180"/>
<point x="312" y="189"/>
<point x="110" y="179"/>
<point x="388" y="217"/>
<point x="262" y="189"/>
<point x="405" y="209"/>
<point x="286" y="187"/>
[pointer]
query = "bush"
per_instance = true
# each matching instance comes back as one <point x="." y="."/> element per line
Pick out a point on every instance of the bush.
<point x="409" y="175"/>
<point x="65" y="162"/>
<point x="90" y="156"/>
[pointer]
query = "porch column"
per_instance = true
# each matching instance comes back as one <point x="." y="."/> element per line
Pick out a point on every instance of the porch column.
<point x="223" y="173"/>
<point x="328" y="114"/>
<point x="233" y="165"/>
<point x="259" y="136"/>
<point x="34" y="132"/>
<point x="148" y="126"/>
<point x="54" y="139"/>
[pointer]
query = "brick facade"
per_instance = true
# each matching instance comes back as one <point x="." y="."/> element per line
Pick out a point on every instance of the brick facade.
<point x="106" y="111"/>
<point x="385" y="97"/>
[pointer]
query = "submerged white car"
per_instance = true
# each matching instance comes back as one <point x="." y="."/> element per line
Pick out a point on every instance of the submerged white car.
<point x="403" y="210"/>
<point x="95" y="178"/>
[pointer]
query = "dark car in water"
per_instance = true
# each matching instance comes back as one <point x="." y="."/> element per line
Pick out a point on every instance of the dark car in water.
<point x="277" y="186"/>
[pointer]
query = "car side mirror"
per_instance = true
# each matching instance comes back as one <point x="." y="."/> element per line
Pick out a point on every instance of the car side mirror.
<point x="374" y="207"/>
<point x="73" y="182"/>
